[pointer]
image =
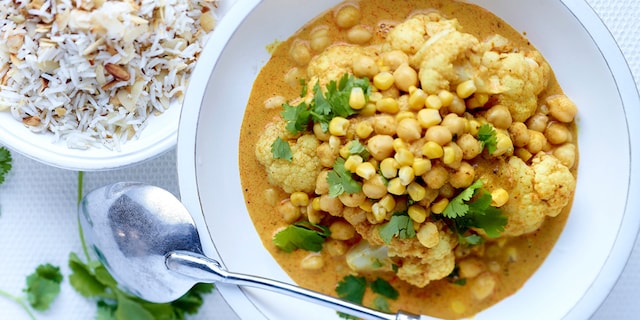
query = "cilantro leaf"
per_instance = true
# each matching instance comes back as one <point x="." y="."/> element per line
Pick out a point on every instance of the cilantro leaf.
<point x="383" y="288"/>
<point x="297" y="117"/>
<point x="381" y="304"/>
<point x="82" y="278"/>
<point x="5" y="163"/>
<point x="192" y="300"/>
<point x="356" y="147"/>
<point x="301" y="235"/>
<point x="281" y="149"/>
<point x="352" y="288"/>
<point x="400" y="225"/>
<point x="341" y="180"/>
<point x="487" y="137"/>
<point x="457" y="207"/>
<point x="43" y="286"/>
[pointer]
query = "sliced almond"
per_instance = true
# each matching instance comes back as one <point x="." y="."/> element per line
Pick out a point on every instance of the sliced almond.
<point x="31" y="121"/>
<point x="117" y="71"/>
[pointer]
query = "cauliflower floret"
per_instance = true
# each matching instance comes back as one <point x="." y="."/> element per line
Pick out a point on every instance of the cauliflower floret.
<point x="535" y="192"/>
<point x="517" y="78"/>
<point x="300" y="173"/>
<point x="410" y="35"/>
<point x="334" y="62"/>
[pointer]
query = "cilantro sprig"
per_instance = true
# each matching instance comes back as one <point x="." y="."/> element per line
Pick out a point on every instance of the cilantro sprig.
<point x="341" y="180"/>
<point x="472" y="209"/>
<point x="301" y="235"/>
<point x="325" y="105"/>
<point x="352" y="288"/>
<point x="281" y="149"/>
<point x="5" y="163"/>
<point x="400" y="225"/>
<point x="488" y="137"/>
<point x="42" y="288"/>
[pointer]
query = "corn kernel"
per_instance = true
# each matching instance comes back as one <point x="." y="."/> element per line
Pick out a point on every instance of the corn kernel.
<point x="417" y="213"/>
<point x="338" y="126"/>
<point x="446" y="97"/>
<point x="466" y="89"/>
<point x="404" y="157"/>
<point x="352" y="162"/>
<point x="432" y="150"/>
<point x="449" y="155"/>
<point x="504" y="145"/>
<point x="417" y="99"/>
<point x="416" y="191"/>
<point x="439" y="206"/>
<point x="396" y="187"/>
<point x="433" y="102"/>
<point x="366" y="170"/>
<point x="379" y="212"/>
<point x="388" y="202"/>
<point x="399" y="144"/>
<point x="368" y="110"/>
<point x="406" y="175"/>
<point x="429" y="117"/>
<point x="523" y="154"/>
<point x="315" y="203"/>
<point x="405" y="115"/>
<point x="389" y="168"/>
<point x="388" y="105"/>
<point x="428" y="235"/>
<point x="299" y="199"/>
<point x="383" y="80"/>
<point x="357" y="99"/>
<point x="364" y="129"/>
<point x="499" y="197"/>
<point x="477" y="101"/>
<point x="473" y="127"/>
<point x="366" y="206"/>
<point x="421" y="166"/>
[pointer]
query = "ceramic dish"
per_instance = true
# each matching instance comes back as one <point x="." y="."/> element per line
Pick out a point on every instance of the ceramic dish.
<point x="599" y="235"/>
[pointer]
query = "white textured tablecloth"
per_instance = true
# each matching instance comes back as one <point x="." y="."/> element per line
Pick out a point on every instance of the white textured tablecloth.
<point x="38" y="211"/>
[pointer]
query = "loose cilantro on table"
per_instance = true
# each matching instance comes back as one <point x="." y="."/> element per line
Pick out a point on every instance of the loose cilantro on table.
<point x="301" y="235"/>
<point x="341" y="180"/>
<point x="281" y="150"/>
<point x="487" y="137"/>
<point x="352" y="288"/>
<point x="400" y="225"/>
<point x="466" y="214"/>
<point x="5" y="163"/>
<point x="325" y="105"/>
<point x="43" y="286"/>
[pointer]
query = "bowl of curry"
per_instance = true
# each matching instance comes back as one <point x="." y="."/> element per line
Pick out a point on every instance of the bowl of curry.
<point x="450" y="159"/>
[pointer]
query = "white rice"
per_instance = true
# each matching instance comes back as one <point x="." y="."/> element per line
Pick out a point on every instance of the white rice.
<point x="53" y="55"/>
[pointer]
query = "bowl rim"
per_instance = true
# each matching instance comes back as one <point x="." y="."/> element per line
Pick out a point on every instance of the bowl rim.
<point x="625" y="238"/>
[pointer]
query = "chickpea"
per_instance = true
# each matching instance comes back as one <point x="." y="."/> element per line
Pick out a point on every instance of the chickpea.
<point x="320" y="39"/>
<point x="463" y="177"/>
<point x="375" y="187"/>
<point x="557" y="133"/>
<point x="365" y="66"/>
<point x="380" y="146"/>
<point x="359" y="34"/>
<point x="385" y="124"/>
<point x="347" y="16"/>
<point x="562" y="108"/>
<point x="319" y="132"/>
<point x="471" y="267"/>
<point x="322" y="186"/>
<point x="409" y="130"/>
<point x="393" y="59"/>
<point x="300" y="53"/>
<point x="439" y="134"/>
<point x="330" y="204"/>
<point x="355" y="215"/>
<point x="342" y="230"/>
<point x="289" y="212"/>
<point x="428" y="235"/>
<point x="312" y="261"/>
<point x="483" y="286"/>
<point x="457" y="105"/>
<point x="470" y="146"/>
<point x="566" y="153"/>
<point x="538" y="122"/>
<point x="454" y="123"/>
<point x="352" y="200"/>
<point x="499" y="116"/>
<point x="537" y="141"/>
<point x="437" y="177"/>
<point x="405" y="77"/>
<point x="293" y="77"/>
<point x="326" y="155"/>
<point x="335" y="248"/>
<point x="519" y="134"/>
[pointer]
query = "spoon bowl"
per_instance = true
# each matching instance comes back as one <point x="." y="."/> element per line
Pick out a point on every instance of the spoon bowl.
<point x="149" y="243"/>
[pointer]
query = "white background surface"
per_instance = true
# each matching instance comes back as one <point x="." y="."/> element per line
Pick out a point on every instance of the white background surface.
<point x="38" y="211"/>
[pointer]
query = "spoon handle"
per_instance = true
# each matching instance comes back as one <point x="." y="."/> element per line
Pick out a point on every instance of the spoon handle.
<point x="205" y="269"/>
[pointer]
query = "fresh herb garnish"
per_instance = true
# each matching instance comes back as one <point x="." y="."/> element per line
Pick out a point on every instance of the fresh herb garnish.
<point x="325" y="105"/>
<point x="341" y="180"/>
<point x="400" y="225"/>
<point x="301" y="235"/>
<point x="43" y="286"/>
<point x="487" y="137"/>
<point x="384" y="289"/>
<point x="5" y="163"/>
<point x="281" y="150"/>
<point x="479" y="213"/>
<point x="353" y="288"/>
<point x="356" y="147"/>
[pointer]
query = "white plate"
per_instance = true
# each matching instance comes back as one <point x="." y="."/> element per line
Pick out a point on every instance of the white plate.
<point x="592" y="250"/>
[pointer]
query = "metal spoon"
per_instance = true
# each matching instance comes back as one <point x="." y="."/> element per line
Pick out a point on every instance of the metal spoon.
<point x="149" y="243"/>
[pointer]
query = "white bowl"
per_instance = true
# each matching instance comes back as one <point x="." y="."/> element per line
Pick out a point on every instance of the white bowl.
<point x="599" y="235"/>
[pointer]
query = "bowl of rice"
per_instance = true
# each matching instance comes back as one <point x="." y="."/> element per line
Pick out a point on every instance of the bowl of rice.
<point x="94" y="85"/>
